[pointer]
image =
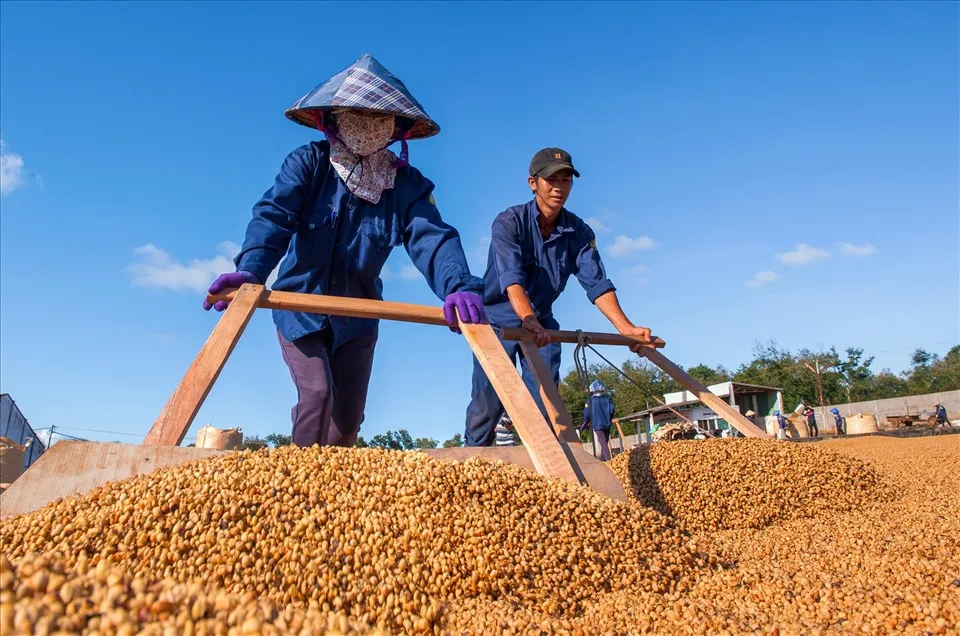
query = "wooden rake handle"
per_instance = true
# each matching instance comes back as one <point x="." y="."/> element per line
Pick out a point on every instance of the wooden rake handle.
<point x="573" y="337"/>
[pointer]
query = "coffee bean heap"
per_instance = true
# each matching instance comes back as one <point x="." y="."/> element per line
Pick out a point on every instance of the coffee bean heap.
<point x="719" y="484"/>
<point x="383" y="537"/>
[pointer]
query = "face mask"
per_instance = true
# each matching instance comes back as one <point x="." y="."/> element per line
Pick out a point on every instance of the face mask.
<point x="364" y="134"/>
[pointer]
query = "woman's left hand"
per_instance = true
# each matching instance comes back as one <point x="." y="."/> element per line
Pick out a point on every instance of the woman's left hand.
<point x="467" y="305"/>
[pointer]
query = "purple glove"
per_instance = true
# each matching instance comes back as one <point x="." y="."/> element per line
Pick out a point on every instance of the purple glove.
<point x="468" y="305"/>
<point x="232" y="280"/>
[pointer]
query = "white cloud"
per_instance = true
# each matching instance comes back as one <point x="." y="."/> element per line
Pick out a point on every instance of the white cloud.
<point x="155" y="267"/>
<point x="405" y="272"/>
<point x="11" y="170"/>
<point x="624" y="245"/>
<point x="636" y="274"/>
<point x="762" y="278"/>
<point x="857" y="250"/>
<point x="803" y="254"/>
<point x="477" y="257"/>
<point x="596" y="225"/>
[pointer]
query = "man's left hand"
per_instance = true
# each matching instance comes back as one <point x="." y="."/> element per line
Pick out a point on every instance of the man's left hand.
<point x="642" y="333"/>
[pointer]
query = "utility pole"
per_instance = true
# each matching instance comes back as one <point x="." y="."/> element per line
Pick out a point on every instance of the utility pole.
<point x="819" y="383"/>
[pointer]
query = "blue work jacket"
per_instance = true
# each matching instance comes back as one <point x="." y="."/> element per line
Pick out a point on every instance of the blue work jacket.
<point x="335" y="243"/>
<point x="599" y="412"/>
<point x="519" y="255"/>
<point x="782" y="421"/>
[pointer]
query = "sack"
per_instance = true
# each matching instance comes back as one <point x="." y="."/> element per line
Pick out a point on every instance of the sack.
<point x="219" y="439"/>
<point x="860" y="423"/>
<point x="11" y="460"/>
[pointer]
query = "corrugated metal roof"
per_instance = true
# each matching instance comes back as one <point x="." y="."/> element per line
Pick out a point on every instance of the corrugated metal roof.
<point x="14" y="426"/>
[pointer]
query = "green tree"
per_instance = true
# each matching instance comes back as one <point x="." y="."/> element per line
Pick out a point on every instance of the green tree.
<point x="278" y="439"/>
<point x="856" y="377"/>
<point x="775" y="367"/>
<point x="887" y="384"/>
<point x="361" y="443"/>
<point x="254" y="443"/>
<point x="920" y="376"/>
<point x="454" y="442"/>
<point x="708" y="375"/>
<point x="945" y="373"/>
<point x="401" y="440"/>
<point x="425" y="442"/>
<point x="929" y="373"/>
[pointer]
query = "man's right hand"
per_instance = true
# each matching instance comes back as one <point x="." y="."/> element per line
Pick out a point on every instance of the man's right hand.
<point x="233" y="280"/>
<point x="531" y="324"/>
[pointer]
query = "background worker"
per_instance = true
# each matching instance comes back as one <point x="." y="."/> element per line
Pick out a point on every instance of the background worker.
<point x="941" y="413"/>
<point x="336" y="210"/>
<point x="812" y="422"/>
<point x="504" y="431"/>
<point x="782" y="425"/>
<point x="534" y="249"/>
<point x="838" y="420"/>
<point x="599" y="414"/>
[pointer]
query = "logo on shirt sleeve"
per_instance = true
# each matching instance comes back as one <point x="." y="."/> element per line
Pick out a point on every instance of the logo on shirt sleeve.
<point x="433" y="201"/>
<point x="593" y="244"/>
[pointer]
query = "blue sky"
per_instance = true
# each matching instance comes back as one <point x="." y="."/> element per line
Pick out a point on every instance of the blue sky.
<point x="782" y="171"/>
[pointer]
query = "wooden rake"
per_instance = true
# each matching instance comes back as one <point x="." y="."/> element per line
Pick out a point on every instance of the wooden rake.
<point x="551" y="448"/>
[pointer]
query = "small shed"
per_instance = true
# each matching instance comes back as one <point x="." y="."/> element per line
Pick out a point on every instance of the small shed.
<point x="15" y="427"/>
<point x="761" y="400"/>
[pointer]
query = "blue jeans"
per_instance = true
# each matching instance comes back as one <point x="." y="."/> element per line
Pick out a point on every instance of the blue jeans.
<point x="485" y="408"/>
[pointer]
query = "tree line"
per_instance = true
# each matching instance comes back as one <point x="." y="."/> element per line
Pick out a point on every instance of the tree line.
<point x="847" y="377"/>
<point x="844" y="378"/>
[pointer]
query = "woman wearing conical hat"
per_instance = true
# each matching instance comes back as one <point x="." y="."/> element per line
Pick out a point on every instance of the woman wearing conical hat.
<point x="335" y="211"/>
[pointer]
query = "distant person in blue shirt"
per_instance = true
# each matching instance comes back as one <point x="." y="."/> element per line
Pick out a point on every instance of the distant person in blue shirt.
<point x="599" y="414"/>
<point x="333" y="215"/>
<point x="534" y="249"/>
<point x="941" y="414"/>
<point x="782" y="422"/>
<point x="837" y="420"/>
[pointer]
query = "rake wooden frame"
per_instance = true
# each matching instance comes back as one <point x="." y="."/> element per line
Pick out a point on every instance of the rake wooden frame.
<point x="545" y="441"/>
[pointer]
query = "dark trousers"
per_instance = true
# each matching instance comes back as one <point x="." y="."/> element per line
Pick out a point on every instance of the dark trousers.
<point x="331" y="387"/>
<point x="603" y="441"/>
<point x="485" y="408"/>
<point x="814" y="431"/>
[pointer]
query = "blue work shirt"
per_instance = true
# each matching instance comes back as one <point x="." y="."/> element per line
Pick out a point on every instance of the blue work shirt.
<point x="519" y="255"/>
<point x="599" y="412"/>
<point x="335" y="243"/>
<point x="782" y="421"/>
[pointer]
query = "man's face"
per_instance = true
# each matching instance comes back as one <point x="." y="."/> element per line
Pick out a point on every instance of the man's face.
<point x="553" y="190"/>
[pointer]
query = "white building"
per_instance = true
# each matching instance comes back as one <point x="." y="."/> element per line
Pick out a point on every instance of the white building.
<point x="762" y="401"/>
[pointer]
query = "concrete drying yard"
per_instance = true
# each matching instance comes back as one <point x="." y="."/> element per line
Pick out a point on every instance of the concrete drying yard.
<point x="721" y="536"/>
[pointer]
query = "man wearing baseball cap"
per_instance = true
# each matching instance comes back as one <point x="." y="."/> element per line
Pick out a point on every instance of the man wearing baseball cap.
<point x="535" y="247"/>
